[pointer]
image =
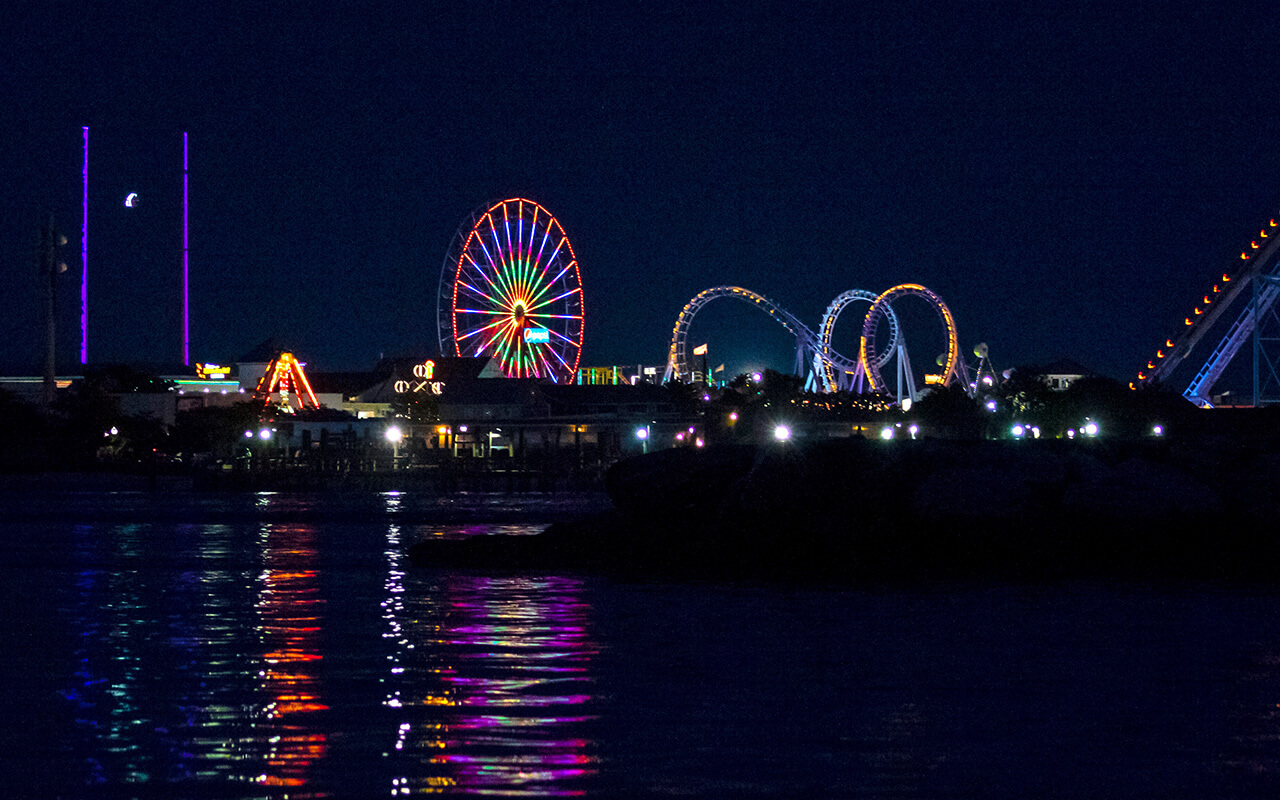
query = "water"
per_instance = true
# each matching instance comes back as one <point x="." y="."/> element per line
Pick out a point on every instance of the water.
<point x="278" y="645"/>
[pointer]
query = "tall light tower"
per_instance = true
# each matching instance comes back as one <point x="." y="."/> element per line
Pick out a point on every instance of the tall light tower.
<point x="84" y="251"/>
<point x="186" y="282"/>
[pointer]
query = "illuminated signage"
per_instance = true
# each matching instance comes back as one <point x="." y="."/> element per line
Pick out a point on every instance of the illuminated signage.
<point x="424" y="381"/>
<point x="212" y="371"/>
<point x="537" y="335"/>
<point x="933" y="380"/>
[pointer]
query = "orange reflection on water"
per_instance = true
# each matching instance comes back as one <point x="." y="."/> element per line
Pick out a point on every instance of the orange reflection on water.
<point x="289" y="609"/>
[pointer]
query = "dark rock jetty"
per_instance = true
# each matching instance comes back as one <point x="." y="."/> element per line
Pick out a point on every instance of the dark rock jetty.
<point x="863" y="510"/>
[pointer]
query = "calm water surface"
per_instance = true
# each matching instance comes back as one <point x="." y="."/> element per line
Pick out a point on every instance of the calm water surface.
<point x="280" y="645"/>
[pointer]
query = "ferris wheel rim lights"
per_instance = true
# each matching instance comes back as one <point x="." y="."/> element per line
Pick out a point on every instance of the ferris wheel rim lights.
<point x="516" y="292"/>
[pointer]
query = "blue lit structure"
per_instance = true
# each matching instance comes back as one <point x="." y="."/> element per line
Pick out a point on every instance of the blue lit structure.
<point x="828" y="370"/>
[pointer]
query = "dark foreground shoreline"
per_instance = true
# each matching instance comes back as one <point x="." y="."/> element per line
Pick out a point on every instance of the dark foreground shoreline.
<point x="854" y="511"/>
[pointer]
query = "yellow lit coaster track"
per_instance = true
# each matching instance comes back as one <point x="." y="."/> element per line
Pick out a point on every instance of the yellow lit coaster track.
<point x="829" y="370"/>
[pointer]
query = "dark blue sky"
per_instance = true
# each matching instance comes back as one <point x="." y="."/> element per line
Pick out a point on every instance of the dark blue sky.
<point x="1070" y="179"/>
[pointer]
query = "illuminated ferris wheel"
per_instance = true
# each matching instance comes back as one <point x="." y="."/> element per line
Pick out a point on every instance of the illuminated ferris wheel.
<point x="510" y="289"/>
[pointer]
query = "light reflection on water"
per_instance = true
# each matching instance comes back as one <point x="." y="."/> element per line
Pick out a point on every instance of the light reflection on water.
<point x="491" y="681"/>
<point x="307" y="658"/>
<point x="290" y="618"/>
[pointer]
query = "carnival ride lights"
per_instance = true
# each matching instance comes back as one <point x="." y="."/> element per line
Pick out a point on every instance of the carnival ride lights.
<point x="880" y="310"/>
<point x="283" y="380"/>
<point x="836" y="371"/>
<point x="511" y="289"/>
<point x="1259" y="264"/>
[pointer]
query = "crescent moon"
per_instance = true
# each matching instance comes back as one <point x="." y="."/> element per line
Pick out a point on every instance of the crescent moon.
<point x="131" y="200"/>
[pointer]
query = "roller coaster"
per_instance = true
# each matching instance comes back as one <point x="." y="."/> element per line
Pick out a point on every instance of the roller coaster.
<point x="1255" y="276"/>
<point x="828" y="370"/>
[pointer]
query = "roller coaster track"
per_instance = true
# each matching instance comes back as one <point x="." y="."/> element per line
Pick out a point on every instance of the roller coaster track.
<point x="1252" y="275"/>
<point x="831" y="370"/>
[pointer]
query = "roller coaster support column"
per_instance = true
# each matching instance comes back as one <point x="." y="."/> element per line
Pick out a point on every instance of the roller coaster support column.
<point x="1262" y="310"/>
<point x="904" y="374"/>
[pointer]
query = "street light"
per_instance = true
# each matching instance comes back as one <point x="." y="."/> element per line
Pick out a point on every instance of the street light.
<point x="782" y="433"/>
<point x="643" y="435"/>
<point x="393" y="434"/>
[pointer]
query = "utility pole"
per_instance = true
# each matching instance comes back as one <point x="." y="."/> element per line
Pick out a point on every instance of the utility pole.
<point x="50" y="267"/>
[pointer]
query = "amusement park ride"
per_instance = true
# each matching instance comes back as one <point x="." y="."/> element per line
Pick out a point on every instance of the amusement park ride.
<point x="828" y="370"/>
<point x="511" y="289"/>
<point x="1255" y="275"/>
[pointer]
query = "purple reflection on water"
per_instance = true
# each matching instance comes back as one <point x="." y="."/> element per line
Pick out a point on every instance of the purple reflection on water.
<point x="520" y="645"/>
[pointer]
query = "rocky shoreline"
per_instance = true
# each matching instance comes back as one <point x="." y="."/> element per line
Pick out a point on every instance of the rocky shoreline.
<point x="861" y="510"/>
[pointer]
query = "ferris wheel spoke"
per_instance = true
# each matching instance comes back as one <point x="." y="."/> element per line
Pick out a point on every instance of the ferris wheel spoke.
<point x="506" y="223"/>
<point x="503" y="332"/>
<point x="501" y="274"/>
<point x="478" y="331"/>
<point x="479" y="238"/>
<point x="546" y="286"/>
<point x="555" y="316"/>
<point x="562" y="362"/>
<point x="480" y="294"/>
<point x="542" y="247"/>
<point x="485" y="311"/>
<point x="542" y="356"/>
<point x="479" y="270"/>
<point x="564" y="338"/>
<point x="533" y="231"/>
<point x="572" y="291"/>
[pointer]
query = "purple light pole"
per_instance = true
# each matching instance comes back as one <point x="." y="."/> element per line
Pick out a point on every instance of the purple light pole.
<point x="186" y="285"/>
<point x="84" y="251"/>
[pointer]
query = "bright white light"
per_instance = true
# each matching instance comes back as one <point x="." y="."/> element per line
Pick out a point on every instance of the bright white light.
<point x="132" y="200"/>
<point x="114" y="430"/>
<point x="248" y="434"/>
<point x="782" y="433"/>
<point x="698" y="442"/>
<point x="1158" y="430"/>
<point x="1090" y="429"/>
<point x="264" y="434"/>
<point x="642" y="433"/>
<point x="733" y="416"/>
<point x="906" y="404"/>
<point x="913" y="430"/>
<point x="757" y="377"/>
<point x="1035" y="431"/>
<point x="394" y="434"/>
<point x="886" y="432"/>
<point x="462" y="429"/>
<point x="706" y="397"/>
<point x="991" y="405"/>
<point x="1018" y="431"/>
<point x="1071" y="434"/>
<point x="680" y="436"/>
<point x="986" y="380"/>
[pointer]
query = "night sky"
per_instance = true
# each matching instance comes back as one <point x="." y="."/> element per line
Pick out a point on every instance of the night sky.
<point x="1069" y="177"/>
